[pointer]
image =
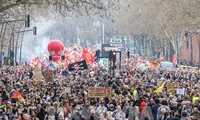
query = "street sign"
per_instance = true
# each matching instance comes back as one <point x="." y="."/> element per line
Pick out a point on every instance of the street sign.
<point x="113" y="48"/>
<point x="115" y="40"/>
<point x="116" y="45"/>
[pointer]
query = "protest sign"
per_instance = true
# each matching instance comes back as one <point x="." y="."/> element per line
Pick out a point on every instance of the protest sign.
<point x="171" y="88"/>
<point x="99" y="92"/>
<point x="104" y="62"/>
<point x="48" y="76"/>
<point x="38" y="74"/>
<point x="66" y="90"/>
<point x="180" y="91"/>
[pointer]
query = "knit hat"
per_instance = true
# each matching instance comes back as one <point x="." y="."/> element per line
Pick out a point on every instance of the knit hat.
<point x="143" y="104"/>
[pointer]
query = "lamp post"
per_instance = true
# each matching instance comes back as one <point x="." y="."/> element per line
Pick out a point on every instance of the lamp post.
<point x="110" y="61"/>
<point x="114" y="61"/>
<point x="103" y="27"/>
<point x="120" y="60"/>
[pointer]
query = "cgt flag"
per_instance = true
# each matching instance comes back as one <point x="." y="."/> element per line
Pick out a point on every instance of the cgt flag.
<point x="139" y="59"/>
<point x="17" y="95"/>
<point x="78" y="66"/>
<point x="88" y="56"/>
<point x="174" y="60"/>
<point x="162" y="58"/>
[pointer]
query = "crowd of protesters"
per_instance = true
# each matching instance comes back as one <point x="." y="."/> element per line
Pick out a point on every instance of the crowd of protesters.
<point x="133" y="94"/>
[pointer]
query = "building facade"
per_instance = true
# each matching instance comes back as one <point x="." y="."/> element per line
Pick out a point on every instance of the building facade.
<point x="190" y="51"/>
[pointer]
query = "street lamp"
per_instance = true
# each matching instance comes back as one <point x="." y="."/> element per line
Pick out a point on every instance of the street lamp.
<point x="114" y="60"/>
<point x="103" y="27"/>
<point x="110" y="61"/>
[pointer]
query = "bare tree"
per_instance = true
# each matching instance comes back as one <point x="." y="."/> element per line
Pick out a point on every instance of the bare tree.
<point x="165" y="19"/>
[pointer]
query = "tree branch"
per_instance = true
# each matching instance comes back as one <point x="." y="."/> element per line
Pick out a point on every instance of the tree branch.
<point x="90" y="3"/>
<point x="6" y="7"/>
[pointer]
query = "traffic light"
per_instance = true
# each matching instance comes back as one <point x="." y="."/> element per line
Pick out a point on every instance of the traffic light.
<point x="34" y="31"/>
<point x="110" y="55"/>
<point x="114" y="56"/>
<point x="50" y="58"/>
<point x="128" y="54"/>
<point x="27" y="21"/>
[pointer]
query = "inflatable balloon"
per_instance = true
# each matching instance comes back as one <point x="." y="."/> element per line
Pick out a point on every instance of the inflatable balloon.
<point x="55" y="48"/>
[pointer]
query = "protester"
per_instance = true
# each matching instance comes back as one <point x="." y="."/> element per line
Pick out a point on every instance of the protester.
<point x="163" y="110"/>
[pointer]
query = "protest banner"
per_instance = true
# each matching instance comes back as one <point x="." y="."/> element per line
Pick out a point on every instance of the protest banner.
<point x="48" y="76"/>
<point x="99" y="92"/>
<point x="38" y="74"/>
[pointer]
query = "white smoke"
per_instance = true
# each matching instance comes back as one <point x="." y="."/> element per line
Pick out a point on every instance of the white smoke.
<point x="32" y="50"/>
<point x="34" y="46"/>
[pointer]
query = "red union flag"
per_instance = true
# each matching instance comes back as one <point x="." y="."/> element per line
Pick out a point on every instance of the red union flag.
<point x="162" y="58"/>
<point x="139" y="59"/>
<point x="174" y="60"/>
<point x="87" y="56"/>
<point x="36" y="61"/>
<point x="17" y="95"/>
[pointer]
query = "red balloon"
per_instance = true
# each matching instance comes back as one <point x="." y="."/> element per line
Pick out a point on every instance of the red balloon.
<point x="55" y="48"/>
